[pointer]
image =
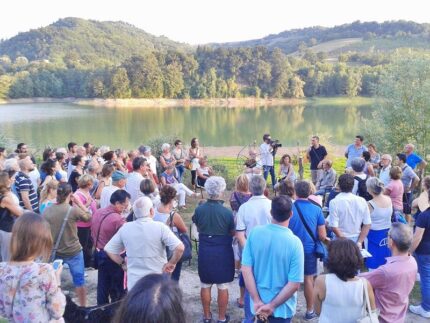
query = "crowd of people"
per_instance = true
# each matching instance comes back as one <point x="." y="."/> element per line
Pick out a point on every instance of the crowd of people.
<point x="346" y="238"/>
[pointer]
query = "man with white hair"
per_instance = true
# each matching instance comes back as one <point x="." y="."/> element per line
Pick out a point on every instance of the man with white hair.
<point x="401" y="267"/>
<point x="384" y="173"/>
<point x="145" y="242"/>
<point x="215" y="224"/>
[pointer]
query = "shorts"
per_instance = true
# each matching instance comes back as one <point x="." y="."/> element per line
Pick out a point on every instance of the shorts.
<point x="219" y="286"/>
<point x="310" y="264"/>
<point x="76" y="266"/>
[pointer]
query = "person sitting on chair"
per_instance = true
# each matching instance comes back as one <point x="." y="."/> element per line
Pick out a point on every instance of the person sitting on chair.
<point x="203" y="172"/>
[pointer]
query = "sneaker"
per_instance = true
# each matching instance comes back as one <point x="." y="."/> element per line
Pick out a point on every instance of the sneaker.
<point x="310" y="316"/>
<point x="227" y="319"/>
<point x="418" y="310"/>
<point x="207" y="320"/>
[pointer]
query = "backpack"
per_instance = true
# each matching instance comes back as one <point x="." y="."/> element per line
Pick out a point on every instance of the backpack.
<point x="362" y="188"/>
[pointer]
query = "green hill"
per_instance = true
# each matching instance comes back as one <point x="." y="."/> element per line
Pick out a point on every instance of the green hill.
<point x="85" y="42"/>
<point x="357" y="36"/>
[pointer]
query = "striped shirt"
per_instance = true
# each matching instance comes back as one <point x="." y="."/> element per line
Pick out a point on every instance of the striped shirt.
<point x="23" y="183"/>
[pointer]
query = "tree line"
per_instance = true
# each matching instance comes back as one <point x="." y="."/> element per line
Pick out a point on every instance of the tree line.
<point x="205" y="73"/>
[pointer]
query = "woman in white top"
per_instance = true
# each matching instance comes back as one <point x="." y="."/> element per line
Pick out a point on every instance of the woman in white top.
<point x="193" y="157"/>
<point x="339" y="295"/>
<point x="381" y="210"/>
<point x="286" y="169"/>
<point x="164" y="212"/>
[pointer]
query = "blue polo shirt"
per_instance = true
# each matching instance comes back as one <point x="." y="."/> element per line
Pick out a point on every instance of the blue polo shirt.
<point x="353" y="152"/>
<point x="413" y="160"/>
<point x="276" y="257"/>
<point x="314" y="218"/>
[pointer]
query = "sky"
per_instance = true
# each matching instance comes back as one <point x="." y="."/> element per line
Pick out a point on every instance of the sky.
<point x="202" y="21"/>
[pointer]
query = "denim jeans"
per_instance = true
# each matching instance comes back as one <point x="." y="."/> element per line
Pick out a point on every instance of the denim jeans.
<point x="424" y="270"/>
<point x="271" y="170"/>
<point x="180" y="169"/>
<point x="76" y="266"/>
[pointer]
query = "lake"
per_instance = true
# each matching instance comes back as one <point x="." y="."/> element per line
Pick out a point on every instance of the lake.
<point x="55" y="124"/>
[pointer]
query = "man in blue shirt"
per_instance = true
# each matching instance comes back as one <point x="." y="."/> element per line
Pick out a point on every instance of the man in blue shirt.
<point x="314" y="218"/>
<point x="412" y="159"/>
<point x="355" y="150"/>
<point x="272" y="265"/>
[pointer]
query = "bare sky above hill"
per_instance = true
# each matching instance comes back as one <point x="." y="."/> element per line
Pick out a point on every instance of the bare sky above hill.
<point x="203" y="21"/>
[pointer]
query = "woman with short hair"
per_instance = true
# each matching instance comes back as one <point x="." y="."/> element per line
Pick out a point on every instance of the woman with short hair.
<point x="29" y="290"/>
<point x="339" y="295"/>
<point x="79" y="163"/>
<point x="215" y="224"/>
<point x="395" y="188"/>
<point x="85" y="183"/>
<point x="166" y="157"/>
<point x="104" y="180"/>
<point x="168" y="178"/>
<point x="193" y="157"/>
<point x="381" y="210"/>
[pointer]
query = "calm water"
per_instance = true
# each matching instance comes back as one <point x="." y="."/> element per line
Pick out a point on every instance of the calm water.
<point x="56" y="124"/>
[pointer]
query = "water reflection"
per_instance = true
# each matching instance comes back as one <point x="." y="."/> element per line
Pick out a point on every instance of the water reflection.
<point x="56" y="124"/>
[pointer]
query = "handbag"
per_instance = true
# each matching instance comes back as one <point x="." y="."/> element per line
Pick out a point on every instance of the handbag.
<point x="187" y="164"/>
<point x="369" y="316"/>
<point x="60" y="235"/>
<point x="95" y="252"/>
<point x="185" y="239"/>
<point x="320" y="249"/>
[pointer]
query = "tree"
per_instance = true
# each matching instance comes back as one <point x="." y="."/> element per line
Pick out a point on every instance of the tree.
<point x="402" y="114"/>
<point x="296" y="87"/>
<point x="5" y="83"/>
<point x="173" y="81"/>
<point x="120" y="84"/>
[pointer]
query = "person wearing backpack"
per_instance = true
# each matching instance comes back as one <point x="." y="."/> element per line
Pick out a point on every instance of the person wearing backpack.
<point x="360" y="178"/>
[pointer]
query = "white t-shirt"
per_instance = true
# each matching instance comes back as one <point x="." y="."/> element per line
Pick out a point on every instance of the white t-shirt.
<point x="256" y="211"/>
<point x="107" y="192"/>
<point x="355" y="188"/>
<point x="266" y="154"/>
<point x="133" y="186"/>
<point x="145" y="242"/>
<point x="152" y="161"/>
<point x="348" y="212"/>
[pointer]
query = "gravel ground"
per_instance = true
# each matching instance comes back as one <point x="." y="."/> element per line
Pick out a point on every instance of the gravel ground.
<point x="190" y="286"/>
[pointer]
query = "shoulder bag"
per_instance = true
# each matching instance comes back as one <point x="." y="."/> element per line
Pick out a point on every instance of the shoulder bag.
<point x="320" y="249"/>
<point x="369" y="316"/>
<point x="60" y="235"/>
<point x="185" y="239"/>
<point x="95" y="252"/>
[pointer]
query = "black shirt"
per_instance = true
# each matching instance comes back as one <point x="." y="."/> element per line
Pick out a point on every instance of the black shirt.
<point x="316" y="155"/>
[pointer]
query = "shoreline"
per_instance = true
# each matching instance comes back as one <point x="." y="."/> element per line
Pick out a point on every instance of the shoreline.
<point x="249" y="102"/>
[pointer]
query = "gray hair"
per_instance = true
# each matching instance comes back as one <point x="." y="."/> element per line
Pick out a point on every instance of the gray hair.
<point x="257" y="185"/>
<point x="388" y="156"/>
<point x="142" y="207"/>
<point x="165" y="146"/>
<point x="374" y="185"/>
<point x="215" y="186"/>
<point x="357" y="164"/>
<point x="401" y="234"/>
<point x="11" y="164"/>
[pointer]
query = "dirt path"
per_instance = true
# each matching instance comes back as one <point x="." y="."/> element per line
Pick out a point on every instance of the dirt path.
<point x="190" y="285"/>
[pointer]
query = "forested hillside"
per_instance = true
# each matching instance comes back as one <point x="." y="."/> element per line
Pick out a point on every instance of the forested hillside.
<point x="89" y="59"/>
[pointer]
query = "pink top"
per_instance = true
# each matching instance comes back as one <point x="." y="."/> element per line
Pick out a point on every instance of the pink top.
<point x="396" y="193"/>
<point x="110" y="221"/>
<point x="92" y="207"/>
<point x="392" y="299"/>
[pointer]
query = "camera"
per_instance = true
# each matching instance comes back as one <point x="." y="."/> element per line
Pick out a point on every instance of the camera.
<point x="275" y="144"/>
